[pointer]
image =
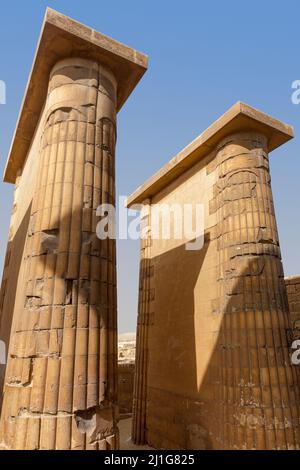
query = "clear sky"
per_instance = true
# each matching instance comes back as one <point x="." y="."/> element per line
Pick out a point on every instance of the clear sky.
<point x="204" y="56"/>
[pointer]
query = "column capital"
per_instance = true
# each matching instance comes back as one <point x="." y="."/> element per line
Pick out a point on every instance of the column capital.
<point x="62" y="37"/>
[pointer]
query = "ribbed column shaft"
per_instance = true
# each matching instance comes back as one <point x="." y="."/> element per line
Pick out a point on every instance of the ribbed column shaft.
<point x="259" y="392"/>
<point x="140" y="380"/>
<point x="60" y="390"/>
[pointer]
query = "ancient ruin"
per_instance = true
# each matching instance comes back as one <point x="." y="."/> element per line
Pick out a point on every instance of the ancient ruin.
<point x="216" y="321"/>
<point x="293" y="291"/>
<point x="58" y="296"/>
<point x="213" y="367"/>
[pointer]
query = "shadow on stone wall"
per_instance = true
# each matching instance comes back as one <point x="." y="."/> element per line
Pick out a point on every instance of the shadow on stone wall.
<point x="248" y="396"/>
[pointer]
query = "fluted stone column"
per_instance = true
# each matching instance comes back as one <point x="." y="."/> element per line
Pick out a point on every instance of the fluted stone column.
<point x="258" y="386"/>
<point x="144" y="317"/>
<point x="60" y="387"/>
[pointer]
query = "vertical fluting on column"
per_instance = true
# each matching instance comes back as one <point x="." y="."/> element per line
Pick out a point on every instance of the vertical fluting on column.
<point x="60" y="390"/>
<point x="259" y="386"/>
<point x="140" y="380"/>
<point x="5" y="278"/>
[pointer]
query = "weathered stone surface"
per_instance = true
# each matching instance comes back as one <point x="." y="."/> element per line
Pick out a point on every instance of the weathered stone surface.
<point x="126" y="348"/>
<point x="58" y="298"/>
<point x="213" y="359"/>
<point x="125" y="388"/>
<point x="63" y="37"/>
<point x="293" y="291"/>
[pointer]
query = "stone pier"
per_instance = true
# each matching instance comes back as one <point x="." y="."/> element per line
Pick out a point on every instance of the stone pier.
<point x="213" y="367"/>
<point x="58" y="297"/>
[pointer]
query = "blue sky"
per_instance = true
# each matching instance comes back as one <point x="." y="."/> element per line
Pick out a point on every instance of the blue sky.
<point x="204" y="56"/>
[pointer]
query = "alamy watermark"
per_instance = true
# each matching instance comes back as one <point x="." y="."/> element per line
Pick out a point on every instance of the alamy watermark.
<point x="2" y="92"/>
<point x="181" y="222"/>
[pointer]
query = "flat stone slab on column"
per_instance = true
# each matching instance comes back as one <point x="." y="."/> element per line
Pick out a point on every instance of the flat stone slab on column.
<point x="63" y="37"/>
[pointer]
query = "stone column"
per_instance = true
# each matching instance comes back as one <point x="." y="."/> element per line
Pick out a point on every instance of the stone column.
<point x="60" y="387"/>
<point x="257" y="385"/>
<point x="144" y="316"/>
